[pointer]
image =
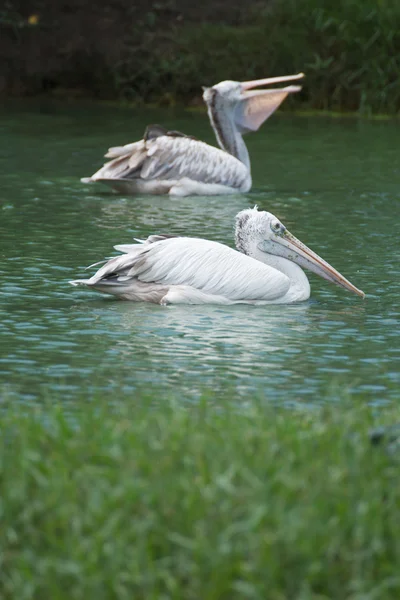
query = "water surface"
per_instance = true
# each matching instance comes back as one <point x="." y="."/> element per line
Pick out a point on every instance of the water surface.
<point x="335" y="183"/>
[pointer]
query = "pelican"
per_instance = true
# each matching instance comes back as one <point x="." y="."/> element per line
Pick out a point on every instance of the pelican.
<point x="170" y="162"/>
<point x="265" y="268"/>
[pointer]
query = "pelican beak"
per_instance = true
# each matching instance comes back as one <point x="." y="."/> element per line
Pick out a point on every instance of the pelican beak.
<point x="299" y="253"/>
<point x="256" y="106"/>
<point x="248" y="85"/>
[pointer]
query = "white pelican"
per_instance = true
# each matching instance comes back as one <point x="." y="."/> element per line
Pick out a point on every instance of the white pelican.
<point x="265" y="268"/>
<point x="169" y="162"/>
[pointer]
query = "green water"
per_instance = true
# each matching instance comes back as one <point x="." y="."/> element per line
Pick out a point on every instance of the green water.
<point x="335" y="183"/>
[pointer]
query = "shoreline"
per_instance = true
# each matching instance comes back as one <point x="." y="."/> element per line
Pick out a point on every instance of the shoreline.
<point x="165" y="51"/>
<point x="87" y="100"/>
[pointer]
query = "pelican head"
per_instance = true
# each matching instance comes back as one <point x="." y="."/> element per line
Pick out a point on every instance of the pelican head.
<point x="247" y="107"/>
<point x="261" y="234"/>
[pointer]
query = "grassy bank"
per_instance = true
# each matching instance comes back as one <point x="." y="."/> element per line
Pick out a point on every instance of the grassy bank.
<point x="350" y="52"/>
<point x="172" y="502"/>
<point x="164" y="51"/>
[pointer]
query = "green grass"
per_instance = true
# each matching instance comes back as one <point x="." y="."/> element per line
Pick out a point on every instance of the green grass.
<point x="348" y="49"/>
<point x="197" y="502"/>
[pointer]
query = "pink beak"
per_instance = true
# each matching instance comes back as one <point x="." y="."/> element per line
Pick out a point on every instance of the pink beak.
<point x="248" y="85"/>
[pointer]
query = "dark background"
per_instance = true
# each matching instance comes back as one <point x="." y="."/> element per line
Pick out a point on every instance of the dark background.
<point x="162" y="52"/>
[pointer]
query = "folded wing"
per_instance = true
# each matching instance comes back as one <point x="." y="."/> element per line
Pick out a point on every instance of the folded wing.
<point x="202" y="264"/>
<point x="170" y="157"/>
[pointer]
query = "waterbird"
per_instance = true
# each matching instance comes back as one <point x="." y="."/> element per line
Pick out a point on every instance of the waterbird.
<point x="266" y="267"/>
<point x="170" y="162"/>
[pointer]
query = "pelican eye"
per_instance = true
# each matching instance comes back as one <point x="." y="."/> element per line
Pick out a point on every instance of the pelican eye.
<point x="276" y="227"/>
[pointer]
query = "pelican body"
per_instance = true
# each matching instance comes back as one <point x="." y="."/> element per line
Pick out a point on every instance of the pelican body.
<point x="266" y="268"/>
<point x="170" y="162"/>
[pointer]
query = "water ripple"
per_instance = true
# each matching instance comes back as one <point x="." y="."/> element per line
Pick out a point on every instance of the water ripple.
<point x="56" y="339"/>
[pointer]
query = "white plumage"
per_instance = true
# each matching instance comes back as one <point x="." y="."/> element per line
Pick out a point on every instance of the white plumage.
<point x="173" y="270"/>
<point x="169" y="162"/>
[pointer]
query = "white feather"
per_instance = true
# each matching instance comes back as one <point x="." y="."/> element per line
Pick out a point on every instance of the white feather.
<point x="184" y="166"/>
<point x="204" y="265"/>
<point x="167" y="269"/>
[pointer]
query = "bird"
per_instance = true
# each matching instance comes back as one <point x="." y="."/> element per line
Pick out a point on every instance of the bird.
<point x="266" y="267"/>
<point x="172" y="163"/>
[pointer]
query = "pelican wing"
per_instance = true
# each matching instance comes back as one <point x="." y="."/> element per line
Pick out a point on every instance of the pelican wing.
<point x="151" y="239"/>
<point x="172" y="157"/>
<point x="201" y="264"/>
<point x="177" y="157"/>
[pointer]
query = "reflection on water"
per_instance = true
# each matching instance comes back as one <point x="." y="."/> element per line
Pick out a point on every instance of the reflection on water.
<point x="336" y="186"/>
<point x="265" y="348"/>
<point x="183" y="215"/>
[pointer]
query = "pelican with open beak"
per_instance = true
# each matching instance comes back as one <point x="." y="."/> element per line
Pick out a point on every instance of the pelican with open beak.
<point x="170" y="162"/>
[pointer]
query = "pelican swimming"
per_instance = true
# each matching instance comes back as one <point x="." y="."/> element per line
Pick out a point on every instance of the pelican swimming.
<point x="170" y="162"/>
<point x="265" y="268"/>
